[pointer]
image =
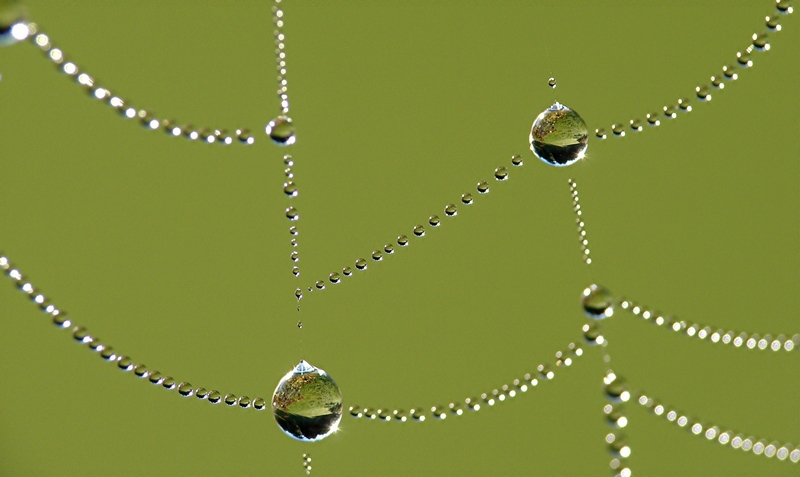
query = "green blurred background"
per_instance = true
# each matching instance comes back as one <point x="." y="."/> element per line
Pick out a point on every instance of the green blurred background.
<point x="177" y="253"/>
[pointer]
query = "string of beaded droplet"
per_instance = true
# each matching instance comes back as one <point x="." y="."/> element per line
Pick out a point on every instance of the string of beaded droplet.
<point x="716" y="434"/>
<point x="145" y="117"/>
<point x="419" y="231"/>
<point x="616" y="391"/>
<point x="544" y="372"/>
<point x="291" y="191"/>
<point x="123" y="362"/>
<point x="712" y="334"/>
<point x="280" y="57"/>
<point x="307" y="463"/>
<point x="758" y="42"/>
<point x="576" y="207"/>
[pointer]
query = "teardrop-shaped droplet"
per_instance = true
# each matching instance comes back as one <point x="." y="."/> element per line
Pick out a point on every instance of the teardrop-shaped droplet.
<point x="597" y="301"/>
<point x="559" y="136"/>
<point x="281" y="131"/>
<point x="307" y="403"/>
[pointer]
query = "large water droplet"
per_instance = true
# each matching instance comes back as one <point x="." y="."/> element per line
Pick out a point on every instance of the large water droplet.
<point x="597" y="301"/>
<point x="307" y="403"/>
<point x="281" y="131"/>
<point x="559" y="136"/>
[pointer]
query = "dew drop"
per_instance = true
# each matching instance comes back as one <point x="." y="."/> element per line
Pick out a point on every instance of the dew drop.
<point x="299" y="325"/>
<point x="290" y="189"/>
<point x="501" y="173"/>
<point x="671" y="111"/>
<point x="703" y="93"/>
<point x="214" y="396"/>
<point x="730" y="72"/>
<point x="761" y="41"/>
<point x="244" y="136"/>
<point x="296" y="271"/>
<point x="717" y="83"/>
<point x="559" y="136"/>
<point x="773" y="23"/>
<point x="744" y="60"/>
<point x="377" y="255"/>
<point x="483" y="187"/>
<point x="636" y="125"/>
<point x="592" y="334"/>
<point x="13" y="27"/>
<point x="288" y="161"/>
<point x="552" y="83"/>
<point x="293" y="230"/>
<point x="307" y="403"/>
<point x="597" y="301"/>
<point x="784" y="7"/>
<point x="185" y="389"/>
<point x="402" y="240"/>
<point x="291" y="214"/>
<point x="295" y="256"/>
<point x="319" y="284"/>
<point x="281" y="131"/>
<point x="298" y="293"/>
<point x="230" y="399"/>
<point x="516" y="160"/>
<point x="434" y="220"/>
<point x="652" y="119"/>
<point x="361" y="264"/>
<point x="388" y="248"/>
<point x="334" y="278"/>
<point x="466" y="198"/>
<point x="450" y="210"/>
<point x="600" y="133"/>
<point x="347" y="271"/>
<point x="618" y="129"/>
<point x="419" y="231"/>
<point x="684" y="105"/>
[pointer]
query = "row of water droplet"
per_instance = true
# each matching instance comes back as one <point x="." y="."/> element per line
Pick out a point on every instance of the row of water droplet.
<point x="146" y="118"/>
<point x="124" y="363"/>
<point x="759" y="42"/>
<point x="291" y="191"/>
<point x="496" y="396"/>
<point x="713" y="334"/>
<point x="576" y="207"/>
<point x="715" y="434"/>
<point x="280" y="57"/>
<point x="434" y="221"/>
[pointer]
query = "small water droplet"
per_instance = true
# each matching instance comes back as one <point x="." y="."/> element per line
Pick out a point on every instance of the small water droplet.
<point x="600" y="133"/>
<point x="685" y="105"/>
<point x="214" y="396"/>
<point x="784" y="7"/>
<point x="730" y="72"/>
<point x="483" y="187"/>
<point x="298" y="293"/>
<point x="293" y="242"/>
<point x="290" y="189"/>
<point x="347" y="271"/>
<point x="703" y="93"/>
<point x="307" y="403"/>
<point x="361" y="264"/>
<point x="377" y="255"/>
<point x="434" y="220"/>
<point x="230" y="399"/>
<point x="293" y="230"/>
<point x="592" y="334"/>
<point x="773" y="23"/>
<point x="552" y="83"/>
<point x="288" y="173"/>
<point x="636" y="125"/>
<point x="388" y="248"/>
<point x="185" y="389"/>
<point x="319" y="284"/>
<point x="761" y="41"/>
<point x="652" y="119"/>
<point x="717" y="83"/>
<point x="295" y="256"/>
<point x="244" y="136"/>
<point x="466" y="198"/>
<point x="744" y="60"/>
<point x="402" y="240"/>
<point x="291" y="214"/>
<point x="516" y="160"/>
<point x="501" y="173"/>
<point x="598" y="302"/>
<point x="281" y="131"/>
<point x="559" y="136"/>
<point x="296" y="271"/>
<point x="419" y="231"/>
<point x="334" y="278"/>
<point x="299" y="325"/>
<point x="450" y="210"/>
<point x="671" y="111"/>
<point x="618" y="129"/>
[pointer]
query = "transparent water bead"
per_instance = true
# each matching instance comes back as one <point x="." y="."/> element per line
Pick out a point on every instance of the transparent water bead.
<point x="307" y="403"/>
<point x="597" y="301"/>
<point x="552" y="83"/>
<point x="559" y="136"/>
<point x="281" y="131"/>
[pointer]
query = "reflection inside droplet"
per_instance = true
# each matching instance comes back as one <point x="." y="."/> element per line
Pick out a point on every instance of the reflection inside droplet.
<point x="559" y="136"/>
<point x="281" y="131"/>
<point x="597" y="301"/>
<point x="307" y="403"/>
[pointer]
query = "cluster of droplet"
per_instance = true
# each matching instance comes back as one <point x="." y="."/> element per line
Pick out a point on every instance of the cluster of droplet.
<point x="544" y="372"/>
<point x="434" y="221"/>
<point x="291" y="191"/>
<point x="146" y="118"/>
<point x="576" y="207"/>
<point x="617" y="393"/>
<point x="123" y="362"/>
<point x="307" y="463"/>
<point x="758" y="42"/>
<point x="746" y="443"/>
<point x="713" y="334"/>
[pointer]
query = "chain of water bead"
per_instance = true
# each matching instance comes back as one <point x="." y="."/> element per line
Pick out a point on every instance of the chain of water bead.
<point x="419" y="231"/>
<point x="576" y="207"/>
<point x="307" y="463"/>
<point x="280" y="57"/>
<point x="713" y="334"/>
<point x="544" y="372"/>
<point x="145" y="117"/>
<point x="759" y="42"/>
<point x="714" y="433"/>
<point x="123" y="362"/>
<point x="291" y="191"/>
